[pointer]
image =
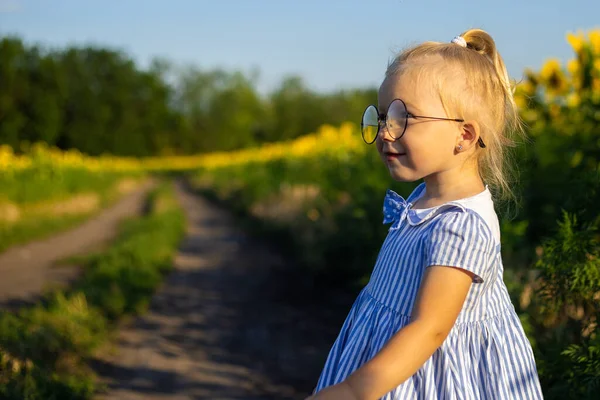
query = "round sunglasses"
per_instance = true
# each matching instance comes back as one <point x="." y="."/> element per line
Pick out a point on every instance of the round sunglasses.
<point x="396" y="121"/>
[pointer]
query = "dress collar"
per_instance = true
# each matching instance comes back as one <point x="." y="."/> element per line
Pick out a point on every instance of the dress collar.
<point x="396" y="208"/>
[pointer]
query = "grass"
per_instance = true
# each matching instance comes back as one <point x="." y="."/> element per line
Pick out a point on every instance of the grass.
<point x="44" y="349"/>
<point x="37" y="220"/>
<point x="323" y="210"/>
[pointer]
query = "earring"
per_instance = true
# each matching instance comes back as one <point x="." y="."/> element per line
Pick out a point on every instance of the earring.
<point x="459" y="147"/>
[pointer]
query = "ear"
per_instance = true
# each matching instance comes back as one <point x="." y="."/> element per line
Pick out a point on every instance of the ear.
<point x="469" y="135"/>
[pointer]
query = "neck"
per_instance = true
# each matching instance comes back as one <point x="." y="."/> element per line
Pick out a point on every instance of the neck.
<point x="450" y="185"/>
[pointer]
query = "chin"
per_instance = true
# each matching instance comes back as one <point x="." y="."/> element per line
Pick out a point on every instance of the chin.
<point x="403" y="175"/>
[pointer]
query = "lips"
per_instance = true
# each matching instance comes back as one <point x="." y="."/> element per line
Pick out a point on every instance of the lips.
<point x="393" y="154"/>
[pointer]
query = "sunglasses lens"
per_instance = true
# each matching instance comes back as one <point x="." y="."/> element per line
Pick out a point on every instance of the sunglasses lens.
<point x="396" y="118"/>
<point x="370" y="124"/>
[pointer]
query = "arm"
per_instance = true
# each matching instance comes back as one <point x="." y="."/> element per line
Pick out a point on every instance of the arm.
<point x="458" y="253"/>
<point x="438" y="304"/>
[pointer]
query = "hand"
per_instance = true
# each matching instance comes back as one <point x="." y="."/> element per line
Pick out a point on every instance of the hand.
<point x="341" y="391"/>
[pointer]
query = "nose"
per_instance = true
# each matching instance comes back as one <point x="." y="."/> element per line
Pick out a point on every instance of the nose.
<point x="384" y="133"/>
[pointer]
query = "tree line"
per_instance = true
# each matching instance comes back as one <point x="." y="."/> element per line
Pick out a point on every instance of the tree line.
<point x="98" y="100"/>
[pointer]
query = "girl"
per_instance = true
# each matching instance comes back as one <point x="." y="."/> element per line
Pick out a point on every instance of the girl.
<point x="435" y="320"/>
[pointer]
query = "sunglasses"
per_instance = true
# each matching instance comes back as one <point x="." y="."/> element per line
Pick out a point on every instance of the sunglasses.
<point x="395" y="121"/>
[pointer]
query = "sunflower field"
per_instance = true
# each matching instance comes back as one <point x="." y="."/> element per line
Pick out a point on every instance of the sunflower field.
<point x="319" y="198"/>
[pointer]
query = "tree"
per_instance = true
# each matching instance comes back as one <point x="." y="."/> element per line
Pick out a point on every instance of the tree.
<point x="98" y="100"/>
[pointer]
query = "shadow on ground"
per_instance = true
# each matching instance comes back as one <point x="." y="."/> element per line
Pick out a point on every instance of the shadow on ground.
<point x="233" y="321"/>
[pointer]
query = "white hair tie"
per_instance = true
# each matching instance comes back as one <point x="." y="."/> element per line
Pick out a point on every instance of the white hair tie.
<point x="459" y="40"/>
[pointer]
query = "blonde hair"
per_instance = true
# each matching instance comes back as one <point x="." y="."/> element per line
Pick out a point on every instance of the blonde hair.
<point x="472" y="83"/>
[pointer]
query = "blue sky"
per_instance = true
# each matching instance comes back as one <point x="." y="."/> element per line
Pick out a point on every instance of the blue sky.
<point x="332" y="44"/>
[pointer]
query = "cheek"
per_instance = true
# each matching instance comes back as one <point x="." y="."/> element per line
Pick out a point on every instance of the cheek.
<point x="379" y="145"/>
<point x="422" y="156"/>
<point x="430" y="157"/>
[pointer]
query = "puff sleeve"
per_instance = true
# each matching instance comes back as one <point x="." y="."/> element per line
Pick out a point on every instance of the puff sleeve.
<point x="463" y="240"/>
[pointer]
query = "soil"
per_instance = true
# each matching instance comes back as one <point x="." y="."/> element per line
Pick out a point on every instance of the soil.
<point x="233" y="320"/>
<point x="29" y="270"/>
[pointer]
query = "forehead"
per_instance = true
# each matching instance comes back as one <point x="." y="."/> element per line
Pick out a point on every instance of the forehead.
<point x="395" y="87"/>
<point x="412" y="87"/>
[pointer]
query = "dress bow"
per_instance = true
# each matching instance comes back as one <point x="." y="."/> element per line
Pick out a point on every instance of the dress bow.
<point x="394" y="208"/>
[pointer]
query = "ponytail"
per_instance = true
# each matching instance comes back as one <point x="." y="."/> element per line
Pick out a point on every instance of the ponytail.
<point x="473" y="83"/>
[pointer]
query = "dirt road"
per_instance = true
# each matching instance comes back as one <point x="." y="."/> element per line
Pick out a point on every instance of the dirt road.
<point x="232" y="321"/>
<point x="27" y="270"/>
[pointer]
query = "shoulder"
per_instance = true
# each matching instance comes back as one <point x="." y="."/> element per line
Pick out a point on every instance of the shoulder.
<point x="476" y="210"/>
<point x="464" y="224"/>
<point x="461" y="238"/>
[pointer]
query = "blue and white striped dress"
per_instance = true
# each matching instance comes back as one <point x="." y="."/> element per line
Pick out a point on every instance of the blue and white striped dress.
<point x="486" y="354"/>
